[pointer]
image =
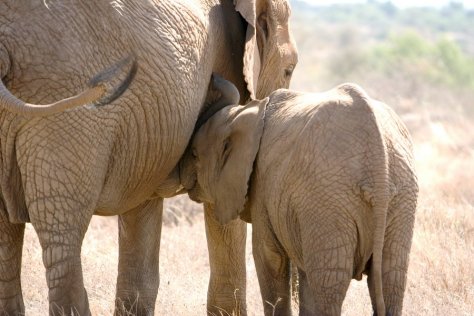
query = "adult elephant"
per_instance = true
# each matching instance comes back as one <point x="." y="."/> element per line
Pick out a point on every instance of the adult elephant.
<point x="57" y="171"/>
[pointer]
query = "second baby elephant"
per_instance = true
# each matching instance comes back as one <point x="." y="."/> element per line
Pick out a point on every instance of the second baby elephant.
<point x="328" y="182"/>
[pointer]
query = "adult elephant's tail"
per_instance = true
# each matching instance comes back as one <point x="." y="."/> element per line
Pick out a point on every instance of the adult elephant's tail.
<point x="101" y="91"/>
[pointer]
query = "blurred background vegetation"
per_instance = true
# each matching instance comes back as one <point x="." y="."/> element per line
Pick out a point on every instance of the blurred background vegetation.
<point x="425" y="54"/>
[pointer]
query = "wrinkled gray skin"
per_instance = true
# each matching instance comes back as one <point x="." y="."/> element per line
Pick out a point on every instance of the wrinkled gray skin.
<point x="59" y="170"/>
<point x="327" y="181"/>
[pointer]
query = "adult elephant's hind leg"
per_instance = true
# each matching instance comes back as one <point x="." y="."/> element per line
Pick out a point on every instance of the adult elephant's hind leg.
<point x="227" y="284"/>
<point x="61" y="224"/>
<point x="139" y="247"/>
<point x="11" y="242"/>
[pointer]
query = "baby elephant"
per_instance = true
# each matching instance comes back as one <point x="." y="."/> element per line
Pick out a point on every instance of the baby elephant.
<point x="328" y="182"/>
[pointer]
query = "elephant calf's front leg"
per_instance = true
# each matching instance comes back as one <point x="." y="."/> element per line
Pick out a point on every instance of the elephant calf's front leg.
<point x="139" y="246"/>
<point x="273" y="271"/>
<point x="11" y="242"/>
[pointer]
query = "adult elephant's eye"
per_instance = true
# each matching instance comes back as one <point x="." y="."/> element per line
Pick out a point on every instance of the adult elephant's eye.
<point x="194" y="153"/>
<point x="226" y="145"/>
<point x="289" y="71"/>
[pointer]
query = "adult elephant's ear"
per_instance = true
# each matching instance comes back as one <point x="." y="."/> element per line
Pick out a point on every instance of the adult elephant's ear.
<point x="239" y="150"/>
<point x="252" y="61"/>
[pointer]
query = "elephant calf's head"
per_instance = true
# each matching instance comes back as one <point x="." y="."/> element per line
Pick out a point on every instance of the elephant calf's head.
<point x="217" y="165"/>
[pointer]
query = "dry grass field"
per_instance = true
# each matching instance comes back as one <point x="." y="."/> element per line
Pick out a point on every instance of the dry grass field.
<point x="441" y="271"/>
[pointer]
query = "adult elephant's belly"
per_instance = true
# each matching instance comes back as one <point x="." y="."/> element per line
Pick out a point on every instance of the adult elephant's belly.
<point x="160" y="111"/>
<point x="134" y="178"/>
<point x="111" y="159"/>
<point x="147" y="144"/>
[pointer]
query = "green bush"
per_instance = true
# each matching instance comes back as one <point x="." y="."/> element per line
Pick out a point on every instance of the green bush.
<point x="441" y="62"/>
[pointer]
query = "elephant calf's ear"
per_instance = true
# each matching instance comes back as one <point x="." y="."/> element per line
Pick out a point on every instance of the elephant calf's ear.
<point x="238" y="155"/>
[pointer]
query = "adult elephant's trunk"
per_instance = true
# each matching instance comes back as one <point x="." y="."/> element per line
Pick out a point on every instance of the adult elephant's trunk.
<point x="229" y="95"/>
<point x="100" y="92"/>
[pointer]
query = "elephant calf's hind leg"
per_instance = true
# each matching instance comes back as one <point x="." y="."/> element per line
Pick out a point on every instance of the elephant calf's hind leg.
<point x="328" y="256"/>
<point x="397" y="244"/>
<point x="306" y="297"/>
